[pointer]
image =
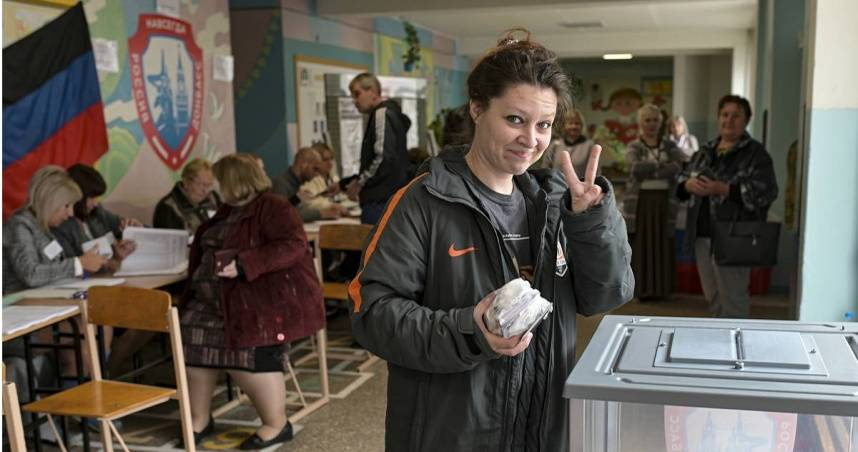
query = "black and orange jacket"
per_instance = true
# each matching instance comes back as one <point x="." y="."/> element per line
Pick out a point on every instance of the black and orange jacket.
<point x="433" y="255"/>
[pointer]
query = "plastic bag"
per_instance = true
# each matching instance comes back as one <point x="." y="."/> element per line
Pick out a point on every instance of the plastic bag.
<point x="516" y="309"/>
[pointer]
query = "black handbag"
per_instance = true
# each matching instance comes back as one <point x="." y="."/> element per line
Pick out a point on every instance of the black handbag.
<point x="746" y="243"/>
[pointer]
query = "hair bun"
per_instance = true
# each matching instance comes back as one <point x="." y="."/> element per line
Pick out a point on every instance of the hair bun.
<point x="509" y="37"/>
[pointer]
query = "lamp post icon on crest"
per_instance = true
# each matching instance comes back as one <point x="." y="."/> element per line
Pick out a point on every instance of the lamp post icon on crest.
<point x="167" y="85"/>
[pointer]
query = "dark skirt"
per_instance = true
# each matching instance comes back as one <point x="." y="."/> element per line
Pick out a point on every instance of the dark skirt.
<point x="653" y="253"/>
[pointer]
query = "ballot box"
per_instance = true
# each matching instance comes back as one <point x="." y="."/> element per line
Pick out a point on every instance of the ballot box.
<point x="671" y="384"/>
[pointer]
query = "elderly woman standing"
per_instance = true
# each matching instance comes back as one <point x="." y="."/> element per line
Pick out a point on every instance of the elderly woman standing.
<point x="32" y="257"/>
<point x="253" y="289"/>
<point x="731" y="178"/>
<point x="192" y="200"/>
<point x="573" y="142"/>
<point x="649" y="208"/>
<point x="686" y="142"/>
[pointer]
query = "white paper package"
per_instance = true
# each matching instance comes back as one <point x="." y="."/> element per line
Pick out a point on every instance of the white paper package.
<point x="516" y="309"/>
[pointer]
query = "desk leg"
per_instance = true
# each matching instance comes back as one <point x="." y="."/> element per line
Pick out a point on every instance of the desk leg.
<point x="31" y="390"/>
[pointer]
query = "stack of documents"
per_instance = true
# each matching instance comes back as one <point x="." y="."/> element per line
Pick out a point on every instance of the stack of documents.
<point x="159" y="252"/>
<point x="17" y="318"/>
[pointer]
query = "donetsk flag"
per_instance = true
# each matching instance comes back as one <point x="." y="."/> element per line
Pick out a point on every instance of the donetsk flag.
<point x="52" y="110"/>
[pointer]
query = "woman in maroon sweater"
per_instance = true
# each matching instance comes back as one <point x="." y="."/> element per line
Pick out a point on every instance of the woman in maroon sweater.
<point x="253" y="289"/>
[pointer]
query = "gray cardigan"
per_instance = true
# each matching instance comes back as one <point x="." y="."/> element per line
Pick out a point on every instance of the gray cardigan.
<point x="25" y="264"/>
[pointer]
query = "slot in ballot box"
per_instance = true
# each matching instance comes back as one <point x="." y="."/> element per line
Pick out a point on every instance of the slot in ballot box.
<point x="656" y="384"/>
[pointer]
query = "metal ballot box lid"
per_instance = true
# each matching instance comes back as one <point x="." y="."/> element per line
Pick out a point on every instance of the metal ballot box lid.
<point x="769" y="365"/>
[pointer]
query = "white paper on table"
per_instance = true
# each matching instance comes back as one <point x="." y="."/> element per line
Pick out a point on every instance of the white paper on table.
<point x="103" y="243"/>
<point x="106" y="55"/>
<point x="17" y="318"/>
<point x="83" y="284"/>
<point x="159" y="252"/>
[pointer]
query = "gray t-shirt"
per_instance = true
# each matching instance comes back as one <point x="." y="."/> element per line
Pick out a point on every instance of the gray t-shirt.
<point x="509" y="213"/>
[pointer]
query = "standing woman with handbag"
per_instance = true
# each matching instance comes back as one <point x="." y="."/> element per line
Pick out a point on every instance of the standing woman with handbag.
<point x="731" y="178"/>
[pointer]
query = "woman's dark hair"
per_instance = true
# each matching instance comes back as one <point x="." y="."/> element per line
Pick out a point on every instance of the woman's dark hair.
<point x="738" y="100"/>
<point x="518" y="61"/>
<point x="91" y="184"/>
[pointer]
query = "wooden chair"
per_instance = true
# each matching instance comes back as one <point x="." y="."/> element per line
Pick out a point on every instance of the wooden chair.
<point x="12" y="412"/>
<point x="340" y="237"/>
<point x="105" y="400"/>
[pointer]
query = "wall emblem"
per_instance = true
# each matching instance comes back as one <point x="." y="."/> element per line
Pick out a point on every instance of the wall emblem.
<point x="167" y="85"/>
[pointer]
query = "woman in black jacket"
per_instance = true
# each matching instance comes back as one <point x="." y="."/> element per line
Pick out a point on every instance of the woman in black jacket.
<point x="730" y="178"/>
<point x="473" y="221"/>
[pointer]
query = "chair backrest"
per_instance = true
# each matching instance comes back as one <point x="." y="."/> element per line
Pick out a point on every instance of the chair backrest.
<point x="129" y="307"/>
<point x="346" y="237"/>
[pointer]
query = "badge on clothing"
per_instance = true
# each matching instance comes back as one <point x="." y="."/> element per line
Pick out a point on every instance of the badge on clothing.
<point x="561" y="267"/>
<point x="52" y="249"/>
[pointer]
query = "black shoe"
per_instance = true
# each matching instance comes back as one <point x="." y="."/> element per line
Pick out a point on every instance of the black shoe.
<point x="255" y="442"/>
<point x="198" y="437"/>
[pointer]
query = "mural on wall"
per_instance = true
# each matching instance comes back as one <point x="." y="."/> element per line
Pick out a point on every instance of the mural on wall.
<point x="167" y="81"/>
<point x="610" y="110"/>
<point x="136" y="174"/>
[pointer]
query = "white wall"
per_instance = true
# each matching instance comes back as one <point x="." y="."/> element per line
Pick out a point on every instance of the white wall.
<point x="828" y="272"/>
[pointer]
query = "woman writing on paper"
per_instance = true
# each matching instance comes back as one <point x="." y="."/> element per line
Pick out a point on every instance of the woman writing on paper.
<point x="253" y="289"/>
<point x="92" y="221"/>
<point x="32" y="257"/>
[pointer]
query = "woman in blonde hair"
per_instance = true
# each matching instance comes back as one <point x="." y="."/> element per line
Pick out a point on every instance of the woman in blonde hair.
<point x="192" y="201"/>
<point x="649" y="207"/>
<point x="253" y="289"/>
<point x="686" y="142"/>
<point x="32" y="257"/>
<point x="572" y="141"/>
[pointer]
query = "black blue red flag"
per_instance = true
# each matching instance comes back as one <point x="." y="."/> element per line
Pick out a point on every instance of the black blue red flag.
<point x="52" y="109"/>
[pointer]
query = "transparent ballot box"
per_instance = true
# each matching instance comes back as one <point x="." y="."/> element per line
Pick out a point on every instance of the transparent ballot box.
<point x="672" y="384"/>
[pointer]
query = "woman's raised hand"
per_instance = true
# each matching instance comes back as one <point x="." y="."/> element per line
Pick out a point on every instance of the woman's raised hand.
<point x="584" y="194"/>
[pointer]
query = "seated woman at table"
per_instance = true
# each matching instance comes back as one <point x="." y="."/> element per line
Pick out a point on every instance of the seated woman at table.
<point x="32" y="257"/>
<point x="252" y="290"/>
<point x="91" y="220"/>
<point x="192" y="200"/>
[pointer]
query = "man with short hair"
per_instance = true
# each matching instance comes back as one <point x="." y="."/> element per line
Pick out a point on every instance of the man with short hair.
<point x="384" y="155"/>
<point x="306" y="166"/>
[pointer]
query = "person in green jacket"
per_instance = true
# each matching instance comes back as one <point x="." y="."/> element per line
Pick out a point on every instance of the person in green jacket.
<point x="473" y="219"/>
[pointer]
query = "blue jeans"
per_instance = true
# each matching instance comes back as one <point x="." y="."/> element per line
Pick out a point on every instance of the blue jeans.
<point x="371" y="213"/>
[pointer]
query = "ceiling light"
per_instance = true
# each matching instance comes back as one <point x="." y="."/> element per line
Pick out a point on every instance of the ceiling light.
<point x="578" y="25"/>
<point x="617" y="56"/>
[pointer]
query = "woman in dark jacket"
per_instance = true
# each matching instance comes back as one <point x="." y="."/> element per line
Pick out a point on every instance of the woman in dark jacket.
<point x="253" y="289"/>
<point x="731" y="178"/>
<point x="473" y="221"/>
<point x="91" y="220"/>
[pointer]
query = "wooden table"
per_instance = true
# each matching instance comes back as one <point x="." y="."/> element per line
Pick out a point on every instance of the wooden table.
<point x="146" y="282"/>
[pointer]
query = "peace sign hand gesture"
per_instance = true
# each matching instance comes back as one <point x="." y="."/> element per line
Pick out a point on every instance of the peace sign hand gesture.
<point x="584" y="194"/>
